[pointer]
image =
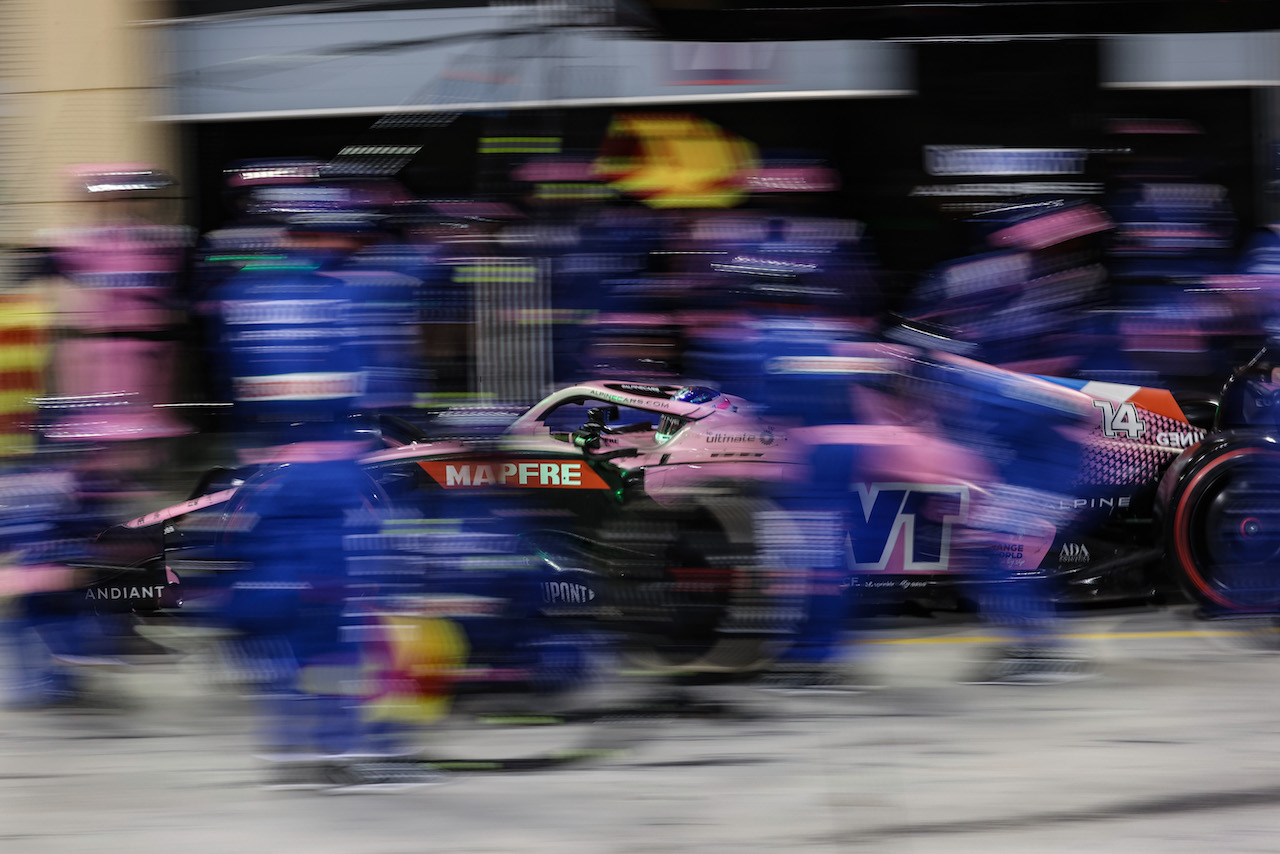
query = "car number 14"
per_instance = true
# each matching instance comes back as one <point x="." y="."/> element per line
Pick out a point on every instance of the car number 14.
<point x="1120" y="420"/>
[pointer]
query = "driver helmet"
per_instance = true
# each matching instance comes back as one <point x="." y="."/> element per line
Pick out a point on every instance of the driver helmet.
<point x="696" y="394"/>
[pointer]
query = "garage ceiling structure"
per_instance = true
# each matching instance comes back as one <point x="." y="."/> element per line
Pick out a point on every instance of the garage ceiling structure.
<point x="951" y="19"/>
<point x="712" y="20"/>
<point x="313" y="75"/>
<point x="493" y="57"/>
<point x="239" y="59"/>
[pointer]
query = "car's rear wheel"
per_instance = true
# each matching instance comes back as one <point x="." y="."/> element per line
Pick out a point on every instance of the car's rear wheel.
<point x="1224" y="529"/>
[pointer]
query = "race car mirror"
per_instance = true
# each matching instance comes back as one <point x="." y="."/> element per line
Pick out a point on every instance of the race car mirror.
<point x="598" y="418"/>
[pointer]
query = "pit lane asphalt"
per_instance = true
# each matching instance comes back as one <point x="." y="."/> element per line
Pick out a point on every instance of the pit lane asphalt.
<point x="1174" y="746"/>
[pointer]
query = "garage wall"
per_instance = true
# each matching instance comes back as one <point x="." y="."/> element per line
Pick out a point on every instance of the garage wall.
<point x="80" y="85"/>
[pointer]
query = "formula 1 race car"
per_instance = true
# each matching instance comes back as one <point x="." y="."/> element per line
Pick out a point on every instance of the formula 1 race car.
<point x="635" y="503"/>
<point x="641" y="506"/>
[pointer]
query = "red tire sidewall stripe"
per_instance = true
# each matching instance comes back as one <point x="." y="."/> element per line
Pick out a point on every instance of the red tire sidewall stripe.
<point x="1182" y="531"/>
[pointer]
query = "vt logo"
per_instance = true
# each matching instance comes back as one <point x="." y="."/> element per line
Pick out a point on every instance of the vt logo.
<point x="905" y="527"/>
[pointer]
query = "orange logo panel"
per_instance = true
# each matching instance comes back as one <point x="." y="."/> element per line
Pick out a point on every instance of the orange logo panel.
<point x="521" y="474"/>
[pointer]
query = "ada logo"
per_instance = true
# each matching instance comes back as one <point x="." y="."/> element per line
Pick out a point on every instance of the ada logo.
<point x="1073" y="553"/>
<point x="905" y="527"/>
<point x="522" y="474"/>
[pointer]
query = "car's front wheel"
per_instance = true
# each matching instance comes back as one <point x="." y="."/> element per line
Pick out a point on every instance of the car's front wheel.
<point x="695" y="590"/>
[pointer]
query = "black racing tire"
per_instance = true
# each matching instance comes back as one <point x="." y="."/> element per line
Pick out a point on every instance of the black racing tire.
<point x="1223" y="527"/>
<point x="697" y="594"/>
